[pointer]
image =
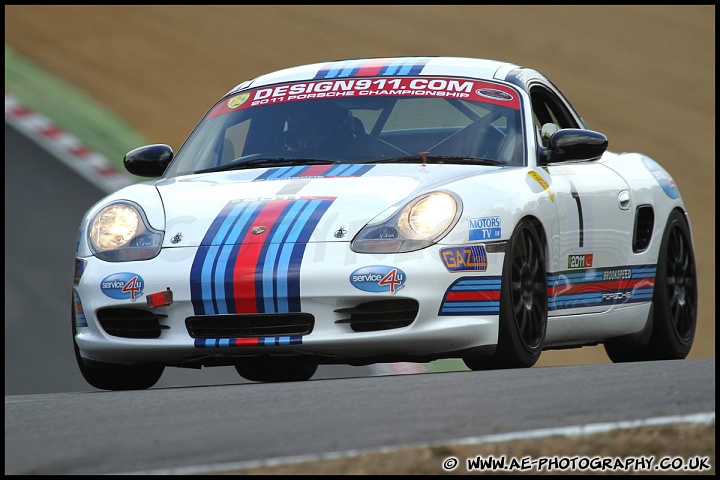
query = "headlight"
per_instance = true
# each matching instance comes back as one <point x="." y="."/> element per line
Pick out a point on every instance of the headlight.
<point x="418" y="224"/>
<point x="120" y="233"/>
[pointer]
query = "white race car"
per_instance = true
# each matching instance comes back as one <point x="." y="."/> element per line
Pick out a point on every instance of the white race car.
<point x="382" y="210"/>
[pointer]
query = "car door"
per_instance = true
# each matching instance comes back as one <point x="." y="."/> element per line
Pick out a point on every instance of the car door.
<point x="595" y="217"/>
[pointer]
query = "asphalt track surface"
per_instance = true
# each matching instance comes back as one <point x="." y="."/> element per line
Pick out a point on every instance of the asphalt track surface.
<point x="188" y="430"/>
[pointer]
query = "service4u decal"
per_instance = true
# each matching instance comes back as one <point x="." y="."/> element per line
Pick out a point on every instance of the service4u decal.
<point x="123" y="286"/>
<point x="378" y="278"/>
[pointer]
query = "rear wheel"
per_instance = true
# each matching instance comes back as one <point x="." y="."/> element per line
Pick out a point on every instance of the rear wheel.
<point x="110" y="376"/>
<point x="523" y="304"/>
<point x="674" y="301"/>
<point x="270" y="369"/>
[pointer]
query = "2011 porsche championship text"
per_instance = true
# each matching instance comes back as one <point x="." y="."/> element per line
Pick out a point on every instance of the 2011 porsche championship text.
<point x="379" y="86"/>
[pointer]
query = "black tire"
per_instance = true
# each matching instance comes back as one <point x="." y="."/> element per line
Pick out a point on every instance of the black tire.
<point x="110" y="376"/>
<point x="674" y="317"/>
<point x="270" y="369"/>
<point x="523" y="304"/>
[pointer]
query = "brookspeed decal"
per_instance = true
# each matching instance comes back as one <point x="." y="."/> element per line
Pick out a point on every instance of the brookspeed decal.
<point x="378" y="278"/>
<point x="595" y="287"/>
<point x="236" y="271"/>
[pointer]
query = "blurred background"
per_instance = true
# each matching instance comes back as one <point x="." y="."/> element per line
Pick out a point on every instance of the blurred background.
<point x="120" y="76"/>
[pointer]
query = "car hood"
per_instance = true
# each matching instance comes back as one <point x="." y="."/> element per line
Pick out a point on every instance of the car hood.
<point x="325" y="203"/>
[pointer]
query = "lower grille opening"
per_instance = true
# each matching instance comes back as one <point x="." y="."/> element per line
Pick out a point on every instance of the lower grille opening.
<point x="250" y="325"/>
<point x="380" y="315"/>
<point x="130" y="322"/>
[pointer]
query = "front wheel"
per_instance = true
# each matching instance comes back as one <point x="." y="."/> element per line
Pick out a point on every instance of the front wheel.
<point x="674" y="300"/>
<point x="110" y="376"/>
<point x="523" y="304"/>
<point x="272" y="369"/>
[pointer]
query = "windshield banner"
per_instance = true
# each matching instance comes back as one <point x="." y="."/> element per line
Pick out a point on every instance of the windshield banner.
<point x="460" y="88"/>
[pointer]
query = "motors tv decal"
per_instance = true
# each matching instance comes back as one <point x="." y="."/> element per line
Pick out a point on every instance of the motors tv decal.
<point x="484" y="228"/>
<point x="236" y="271"/>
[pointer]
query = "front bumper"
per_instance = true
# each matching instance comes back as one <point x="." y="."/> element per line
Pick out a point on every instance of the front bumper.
<point x="327" y="290"/>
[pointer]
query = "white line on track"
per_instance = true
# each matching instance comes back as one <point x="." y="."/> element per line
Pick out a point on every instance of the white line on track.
<point x="707" y="418"/>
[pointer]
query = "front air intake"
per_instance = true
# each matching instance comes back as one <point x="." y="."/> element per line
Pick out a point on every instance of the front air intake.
<point x="130" y="322"/>
<point x="380" y="315"/>
<point x="250" y="325"/>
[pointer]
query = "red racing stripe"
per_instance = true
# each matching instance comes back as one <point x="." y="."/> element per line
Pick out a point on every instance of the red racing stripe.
<point x="246" y="264"/>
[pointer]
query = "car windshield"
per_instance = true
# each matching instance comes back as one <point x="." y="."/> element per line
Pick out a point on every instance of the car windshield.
<point x="384" y="120"/>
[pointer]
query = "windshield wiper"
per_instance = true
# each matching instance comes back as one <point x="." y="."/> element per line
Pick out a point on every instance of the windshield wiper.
<point x="451" y="159"/>
<point x="267" y="162"/>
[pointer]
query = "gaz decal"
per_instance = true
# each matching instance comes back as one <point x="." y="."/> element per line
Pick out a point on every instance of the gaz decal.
<point x="123" y="286"/>
<point x="536" y="176"/>
<point x="484" y="228"/>
<point x="466" y="258"/>
<point x="378" y="278"/>
<point x="580" y="261"/>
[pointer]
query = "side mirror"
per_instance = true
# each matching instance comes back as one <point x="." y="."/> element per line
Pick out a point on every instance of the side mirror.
<point x="575" y="144"/>
<point x="148" y="161"/>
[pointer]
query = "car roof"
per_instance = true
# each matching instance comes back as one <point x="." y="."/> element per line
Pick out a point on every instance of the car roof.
<point x="386" y="66"/>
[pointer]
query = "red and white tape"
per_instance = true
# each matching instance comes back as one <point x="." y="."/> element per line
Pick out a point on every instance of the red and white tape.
<point x="94" y="166"/>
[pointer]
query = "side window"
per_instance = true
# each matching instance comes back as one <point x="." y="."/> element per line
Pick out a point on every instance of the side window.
<point x="549" y="114"/>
